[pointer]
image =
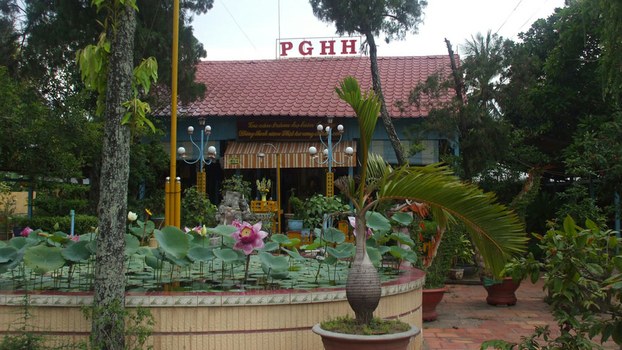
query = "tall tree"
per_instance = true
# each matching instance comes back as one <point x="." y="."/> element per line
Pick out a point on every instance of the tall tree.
<point x="108" y="329"/>
<point x="394" y="18"/>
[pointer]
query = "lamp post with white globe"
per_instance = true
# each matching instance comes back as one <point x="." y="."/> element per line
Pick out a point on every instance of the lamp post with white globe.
<point x="202" y="158"/>
<point x="326" y="137"/>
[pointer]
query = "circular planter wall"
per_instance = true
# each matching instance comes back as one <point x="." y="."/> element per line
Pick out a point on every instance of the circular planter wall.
<point x="271" y="320"/>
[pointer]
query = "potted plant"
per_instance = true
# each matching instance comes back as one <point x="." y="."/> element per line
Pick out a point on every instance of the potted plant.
<point x="462" y="254"/>
<point x="295" y="223"/>
<point x="495" y="230"/>
<point x="318" y="205"/>
<point x="503" y="291"/>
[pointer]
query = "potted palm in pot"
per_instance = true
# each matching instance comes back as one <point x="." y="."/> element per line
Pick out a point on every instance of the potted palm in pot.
<point x="496" y="231"/>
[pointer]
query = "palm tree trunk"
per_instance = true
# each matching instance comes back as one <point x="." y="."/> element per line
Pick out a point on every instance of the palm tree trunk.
<point x="108" y="327"/>
<point x="384" y="113"/>
<point x="363" y="286"/>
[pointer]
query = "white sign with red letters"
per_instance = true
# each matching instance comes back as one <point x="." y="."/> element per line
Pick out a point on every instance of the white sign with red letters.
<point x="318" y="47"/>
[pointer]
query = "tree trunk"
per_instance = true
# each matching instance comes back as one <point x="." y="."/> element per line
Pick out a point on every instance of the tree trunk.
<point x="384" y="113"/>
<point x="363" y="286"/>
<point x="462" y="126"/>
<point x="108" y="326"/>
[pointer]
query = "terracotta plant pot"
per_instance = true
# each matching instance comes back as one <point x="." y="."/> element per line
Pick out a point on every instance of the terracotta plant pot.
<point x="431" y="298"/>
<point x="341" y="341"/>
<point x="502" y="293"/>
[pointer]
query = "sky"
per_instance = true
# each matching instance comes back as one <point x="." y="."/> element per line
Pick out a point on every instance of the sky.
<point x="249" y="29"/>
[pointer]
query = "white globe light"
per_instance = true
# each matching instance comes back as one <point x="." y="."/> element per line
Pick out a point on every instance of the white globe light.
<point x="325" y="151"/>
<point x="349" y="150"/>
<point x="312" y="150"/>
<point x="190" y="130"/>
<point x="327" y="129"/>
<point x="340" y="128"/>
<point x="211" y="150"/>
<point x="208" y="129"/>
<point x="181" y="151"/>
<point x="320" y="127"/>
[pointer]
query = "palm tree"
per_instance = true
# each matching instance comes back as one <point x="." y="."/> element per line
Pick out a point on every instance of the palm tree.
<point x="496" y="232"/>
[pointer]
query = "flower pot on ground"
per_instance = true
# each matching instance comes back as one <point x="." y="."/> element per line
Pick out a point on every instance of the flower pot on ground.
<point x="498" y="232"/>
<point x="456" y="273"/>
<point x="342" y="341"/>
<point x="501" y="292"/>
<point x="431" y="299"/>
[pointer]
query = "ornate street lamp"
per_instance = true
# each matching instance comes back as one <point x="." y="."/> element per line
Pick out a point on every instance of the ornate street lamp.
<point x="202" y="158"/>
<point x="326" y="137"/>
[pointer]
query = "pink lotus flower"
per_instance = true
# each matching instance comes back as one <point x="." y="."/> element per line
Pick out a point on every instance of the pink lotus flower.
<point x="25" y="232"/>
<point x="75" y="238"/>
<point x="247" y="236"/>
<point x="352" y="220"/>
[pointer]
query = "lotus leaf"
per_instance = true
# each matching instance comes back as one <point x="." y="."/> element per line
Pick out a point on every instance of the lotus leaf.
<point x="332" y="235"/>
<point x="131" y="244"/>
<point x="77" y="252"/>
<point x="374" y="255"/>
<point x="226" y="255"/>
<point x="18" y="242"/>
<point x="7" y="254"/>
<point x="402" y="219"/>
<point x="377" y="221"/>
<point x="222" y="230"/>
<point x="173" y="241"/>
<point x="201" y="254"/>
<point x="294" y="254"/>
<point x="342" y="251"/>
<point x="270" y="247"/>
<point x="42" y="259"/>
<point x="280" y="238"/>
<point x="403" y="238"/>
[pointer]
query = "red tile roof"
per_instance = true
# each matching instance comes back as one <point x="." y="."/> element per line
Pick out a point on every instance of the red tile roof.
<point x="305" y="87"/>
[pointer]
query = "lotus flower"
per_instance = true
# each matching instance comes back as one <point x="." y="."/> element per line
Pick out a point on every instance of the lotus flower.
<point x="352" y="220"/>
<point x="25" y="232"/>
<point x="248" y="237"/>
<point x="132" y="216"/>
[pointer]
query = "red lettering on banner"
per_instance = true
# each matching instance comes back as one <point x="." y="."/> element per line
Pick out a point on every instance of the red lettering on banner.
<point x="327" y="46"/>
<point x="286" y="46"/>
<point x="305" y="51"/>
<point x="351" y="44"/>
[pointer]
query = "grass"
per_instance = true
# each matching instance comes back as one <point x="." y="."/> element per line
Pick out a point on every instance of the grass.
<point x="377" y="326"/>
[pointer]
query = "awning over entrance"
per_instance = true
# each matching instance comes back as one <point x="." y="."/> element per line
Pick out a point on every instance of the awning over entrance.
<point x="244" y="155"/>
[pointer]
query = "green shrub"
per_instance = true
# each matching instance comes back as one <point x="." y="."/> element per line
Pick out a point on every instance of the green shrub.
<point x="82" y="224"/>
<point x="197" y="209"/>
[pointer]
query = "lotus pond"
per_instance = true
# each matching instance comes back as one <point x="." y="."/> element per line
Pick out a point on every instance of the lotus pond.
<point x="198" y="260"/>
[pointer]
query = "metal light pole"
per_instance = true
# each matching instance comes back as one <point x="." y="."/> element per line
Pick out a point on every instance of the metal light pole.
<point x="172" y="199"/>
<point x="278" y="181"/>
<point x="326" y="137"/>
<point x="201" y="158"/>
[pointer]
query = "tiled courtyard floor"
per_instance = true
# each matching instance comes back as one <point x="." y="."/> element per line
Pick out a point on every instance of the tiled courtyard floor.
<point x="465" y="320"/>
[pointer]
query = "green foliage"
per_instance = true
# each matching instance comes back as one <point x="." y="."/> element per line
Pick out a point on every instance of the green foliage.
<point x="196" y="209"/>
<point x="437" y="272"/>
<point x="236" y="183"/>
<point x="60" y="199"/>
<point x="82" y="223"/>
<point x="317" y="206"/>
<point x="584" y="286"/>
<point x="7" y="207"/>
<point x="394" y="18"/>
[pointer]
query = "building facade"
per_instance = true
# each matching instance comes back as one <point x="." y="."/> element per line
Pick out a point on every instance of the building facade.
<point x="272" y="108"/>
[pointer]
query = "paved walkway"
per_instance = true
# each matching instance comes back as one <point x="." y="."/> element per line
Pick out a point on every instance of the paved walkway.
<point x="465" y="320"/>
